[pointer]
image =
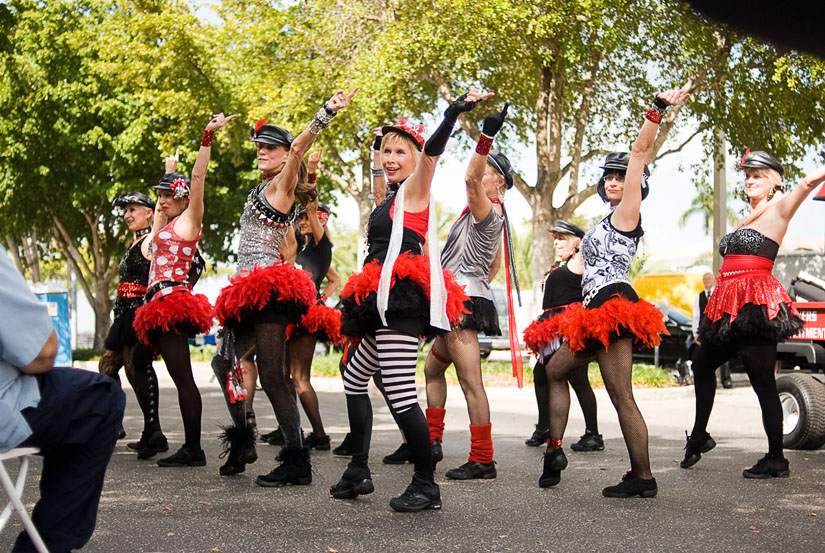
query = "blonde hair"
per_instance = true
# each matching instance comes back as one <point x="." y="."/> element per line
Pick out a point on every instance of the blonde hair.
<point x="393" y="137"/>
<point x="772" y="175"/>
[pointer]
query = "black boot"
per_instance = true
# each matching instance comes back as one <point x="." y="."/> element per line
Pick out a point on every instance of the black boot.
<point x="276" y="437"/>
<point x="589" y="442"/>
<point x="471" y="470"/>
<point x="345" y="449"/>
<point x="294" y="469"/>
<point x="539" y="437"/>
<point x="321" y="443"/>
<point x="184" y="457"/>
<point x="239" y="446"/>
<point x="152" y="445"/>
<point x="696" y="445"/>
<point x="769" y="466"/>
<point x="632" y="485"/>
<point x="414" y="500"/>
<point x="399" y="456"/>
<point x="438" y="453"/>
<point x="555" y="461"/>
<point x="355" y="481"/>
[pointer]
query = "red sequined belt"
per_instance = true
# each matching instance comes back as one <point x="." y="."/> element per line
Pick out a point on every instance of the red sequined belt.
<point x="131" y="290"/>
<point x="745" y="279"/>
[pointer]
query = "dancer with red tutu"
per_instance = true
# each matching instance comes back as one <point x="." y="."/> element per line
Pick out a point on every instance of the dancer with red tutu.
<point x="123" y="349"/>
<point x="266" y="294"/>
<point x="562" y="288"/>
<point x="749" y="311"/>
<point x="399" y="295"/>
<point x="611" y="318"/>
<point x="472" y="252"/>
<point x="172" y="313"/>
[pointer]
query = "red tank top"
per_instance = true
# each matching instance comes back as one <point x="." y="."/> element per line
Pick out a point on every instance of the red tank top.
<point x="171" y="256"/>
<point x="416" y="221"/>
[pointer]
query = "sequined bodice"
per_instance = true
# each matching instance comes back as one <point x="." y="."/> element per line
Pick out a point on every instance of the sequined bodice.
<point x="747" y="241"/>
<point x="172" y="256"/>
<point x="133" y="266"/>
<point x="262" y="229"/>
<point x="607" y="254"/>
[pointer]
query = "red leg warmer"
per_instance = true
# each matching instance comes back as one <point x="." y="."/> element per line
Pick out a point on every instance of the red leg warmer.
<point x="435" y="420"/>
<point x="481" y="443"/>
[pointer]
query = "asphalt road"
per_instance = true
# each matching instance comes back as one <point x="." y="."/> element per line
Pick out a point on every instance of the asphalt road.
<point x="146" y="508"/>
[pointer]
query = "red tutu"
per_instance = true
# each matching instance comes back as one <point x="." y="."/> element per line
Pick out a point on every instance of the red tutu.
<point x="180" y="311"/>
<point x="614" y="318"/>
<point x="541" y="332"/>
<point x="322" y="322"/>
<point x="416" y="268"/>
<point x="292" y="289"/>
<point x="746" y="279"/>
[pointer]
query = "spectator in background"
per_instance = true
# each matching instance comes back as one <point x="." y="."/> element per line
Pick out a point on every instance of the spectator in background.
<point x="709" y="282"/>
<point x="72" y="415"/>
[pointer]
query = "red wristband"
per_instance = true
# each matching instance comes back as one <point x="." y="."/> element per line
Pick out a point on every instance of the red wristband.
<point x="484" y="144"/>
<point x="324" y="298"/>
<point x="311" y="178"/>
<point x="653" y="116"/>
<point x="207" y="137"/>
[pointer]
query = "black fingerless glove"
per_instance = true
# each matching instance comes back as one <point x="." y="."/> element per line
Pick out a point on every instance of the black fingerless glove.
<point x="376" y="145"/>
<point x="438" y="141"/>
<point x="493" y="122"/>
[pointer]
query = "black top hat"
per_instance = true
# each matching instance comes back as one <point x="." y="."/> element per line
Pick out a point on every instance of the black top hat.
<point x="563" y="227"/>
<point x="617" y="161"/>
<point x="138" y="198"/>
<point x="270" y="134"/>
<point x="501" y="164"/>
<point x="761" y="160"/>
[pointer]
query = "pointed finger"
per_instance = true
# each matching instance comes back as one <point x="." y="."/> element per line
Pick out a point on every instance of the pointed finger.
<point x="351" y="94"/>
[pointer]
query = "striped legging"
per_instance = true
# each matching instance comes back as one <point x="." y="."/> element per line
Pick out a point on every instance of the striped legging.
<point x="394" y="354"/>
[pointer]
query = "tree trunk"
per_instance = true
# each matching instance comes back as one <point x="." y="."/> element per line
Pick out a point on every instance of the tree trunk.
<point x="102" y="306"/>
<point x="11" y="247"/>
<point x="720" y="195"/>
<point x="32" y="258"/>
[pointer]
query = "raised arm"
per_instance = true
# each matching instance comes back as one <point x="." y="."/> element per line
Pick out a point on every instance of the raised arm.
<point x="477" y="199"/>
<point x="417" y="195"/>
<point x="379" y="181"/>
<point x="189" y="223"/>
<point x="626" y="215"/>
<point x="789" y="204"/>
<point x="281" y="193"/>
<point x="313" y="220"/>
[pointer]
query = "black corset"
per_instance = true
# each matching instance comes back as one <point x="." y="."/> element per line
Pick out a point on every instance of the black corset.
<point x="748" y="241"/>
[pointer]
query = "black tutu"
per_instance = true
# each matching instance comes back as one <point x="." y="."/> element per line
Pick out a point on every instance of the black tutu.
<point x="408" y="310"/>
<point x="122" y="331"/>
<point x="751" y="323"/>
<point x="481" y="316"/>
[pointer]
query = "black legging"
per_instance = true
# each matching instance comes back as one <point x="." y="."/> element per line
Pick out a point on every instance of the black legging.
<point x="584" y="393"/>
<point x="760" y="359"/>
<point x="174" y="348"/>
<point x="615" y="364"/>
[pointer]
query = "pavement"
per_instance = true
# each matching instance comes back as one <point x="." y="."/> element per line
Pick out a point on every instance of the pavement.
<point x="149" y="509"/>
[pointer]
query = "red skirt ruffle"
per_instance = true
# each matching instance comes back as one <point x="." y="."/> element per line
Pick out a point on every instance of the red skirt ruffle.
<point x="322" y="322"/>
<point x="181" y="311"/>
<point x="756" y="287"/>
<point x="617" y="317"/>
<point x="410" y="273"/>
<point x="280" y="287"/>
<point x="541" y="332"/>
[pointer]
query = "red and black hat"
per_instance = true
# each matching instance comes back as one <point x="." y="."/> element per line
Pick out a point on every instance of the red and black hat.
<point x="265" y="133"/>
<point x="177" y="183"/>
<point x="410" y="130"/>
<point x="761" y="160"/>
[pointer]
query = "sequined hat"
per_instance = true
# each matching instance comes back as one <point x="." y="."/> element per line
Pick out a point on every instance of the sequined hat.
<point x="410" y="130"/>
<point x="265" y="133"/>
<point x="138" y="198"/>
<point x="761" y="160"/>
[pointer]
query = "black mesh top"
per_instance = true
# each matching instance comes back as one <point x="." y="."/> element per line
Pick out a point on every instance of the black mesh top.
<point x="562" y="287"/>
<point x="747" y="241"/>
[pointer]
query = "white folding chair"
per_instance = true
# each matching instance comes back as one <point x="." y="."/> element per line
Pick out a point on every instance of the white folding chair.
<point x="14" y="491"/>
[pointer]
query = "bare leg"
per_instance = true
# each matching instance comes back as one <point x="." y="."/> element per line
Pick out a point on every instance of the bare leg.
<point x="463" y="347"/>
<point x="301" y="349"/>
<point x="434" y="370"/>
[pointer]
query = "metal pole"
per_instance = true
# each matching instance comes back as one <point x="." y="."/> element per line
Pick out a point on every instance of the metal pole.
<point x="720" y="196"/>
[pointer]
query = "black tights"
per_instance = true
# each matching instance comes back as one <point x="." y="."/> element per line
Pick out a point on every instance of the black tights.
<point x="175" y="351"/>
<point x="136" y="360"/>
<point x="584" y="393"/>
<point x="300" y="350"/>
<point x="759" y="359"/>
<point x="615" y="364"/>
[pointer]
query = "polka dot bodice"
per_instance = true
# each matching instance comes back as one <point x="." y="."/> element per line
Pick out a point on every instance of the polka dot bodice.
<point x="171" y="256"/>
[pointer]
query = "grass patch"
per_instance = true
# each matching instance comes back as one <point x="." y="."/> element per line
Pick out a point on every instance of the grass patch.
<point x="500" y="373"/>
<point x="85" y="354"/>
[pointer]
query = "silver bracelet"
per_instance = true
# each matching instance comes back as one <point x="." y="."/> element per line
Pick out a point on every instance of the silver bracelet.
<point x="377" y="172"/>
<point x="321" y="120"/>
